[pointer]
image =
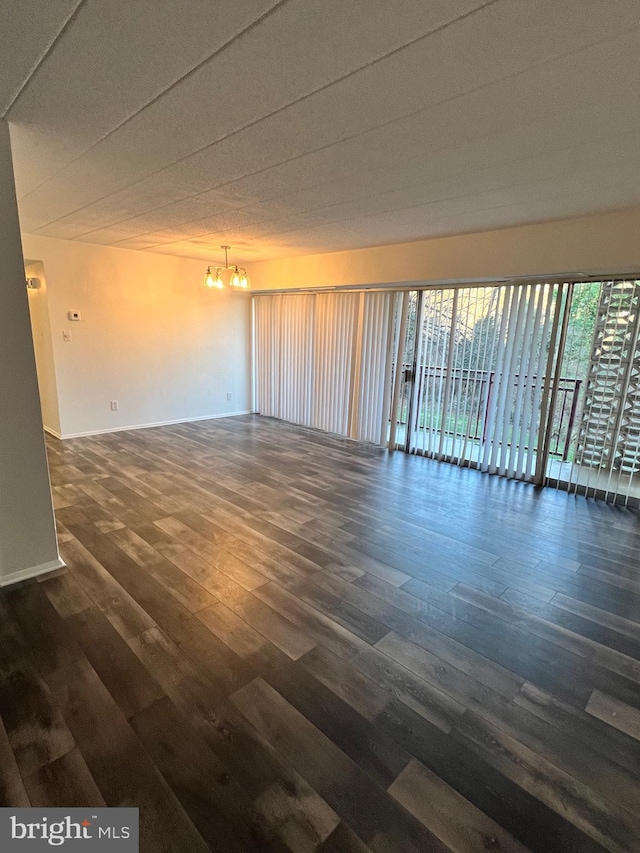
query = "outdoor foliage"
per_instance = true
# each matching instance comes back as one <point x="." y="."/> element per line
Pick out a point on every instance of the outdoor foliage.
<point x="477" y="345"/>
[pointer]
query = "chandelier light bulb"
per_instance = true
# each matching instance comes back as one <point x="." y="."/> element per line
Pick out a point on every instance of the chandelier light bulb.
<point x="237" y="276"/>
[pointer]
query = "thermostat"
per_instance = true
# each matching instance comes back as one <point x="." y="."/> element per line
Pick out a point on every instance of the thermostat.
<point x="73" y="315"/>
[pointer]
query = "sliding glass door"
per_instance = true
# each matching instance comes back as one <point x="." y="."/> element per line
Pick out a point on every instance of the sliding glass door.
<point x="601" y="357"/>
<point x="535" y="381"/>
<point x="477" y="385"/>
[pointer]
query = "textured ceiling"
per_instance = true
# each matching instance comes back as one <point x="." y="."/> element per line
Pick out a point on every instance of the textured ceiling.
<point x="305" y="126"/>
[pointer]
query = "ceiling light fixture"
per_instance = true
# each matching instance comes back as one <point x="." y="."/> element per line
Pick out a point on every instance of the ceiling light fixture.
<point x="238" y="279"/>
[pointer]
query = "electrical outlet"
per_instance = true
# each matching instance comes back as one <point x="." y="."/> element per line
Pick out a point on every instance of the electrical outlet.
<point x="229" y="395"/>
<point x="115" y="406"/>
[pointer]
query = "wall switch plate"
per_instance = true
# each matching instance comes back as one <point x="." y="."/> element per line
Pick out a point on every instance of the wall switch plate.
<point x="115" y="406"/>
<point x="73" y="315"/>
<point x="66" y="336"/>
<point x="229" y="395"/>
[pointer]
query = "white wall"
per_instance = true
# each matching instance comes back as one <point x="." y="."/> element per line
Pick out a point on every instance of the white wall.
<point x="43" y="347"/>
<point x="604" y="243"/>
<point x="151" y="337"/>
<point x="27" y="530"/>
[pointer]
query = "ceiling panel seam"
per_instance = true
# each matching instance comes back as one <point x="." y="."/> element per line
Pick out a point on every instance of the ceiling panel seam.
<point x="411" y="184"/>
<point x="51" y="47"/>
<point x="433" y="221"/>
<point x="380" y="195"/>
<point x="164" y="92"/>
<point x="353" y="218"/>
<point x="321" y="148"/>
<point x="484" y="5"/>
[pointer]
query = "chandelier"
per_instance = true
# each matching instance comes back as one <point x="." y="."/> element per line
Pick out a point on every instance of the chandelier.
<point x="238" y="277"/>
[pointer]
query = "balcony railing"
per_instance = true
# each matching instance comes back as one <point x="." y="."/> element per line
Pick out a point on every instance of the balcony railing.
<point x="471" y="396"/>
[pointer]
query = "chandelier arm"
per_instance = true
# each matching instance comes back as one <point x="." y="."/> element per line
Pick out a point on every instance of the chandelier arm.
<point x="239" y="278"/>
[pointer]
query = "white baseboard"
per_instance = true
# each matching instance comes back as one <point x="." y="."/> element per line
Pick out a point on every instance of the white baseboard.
<point x="146" y="426"/>
<point x="32" y="572"/>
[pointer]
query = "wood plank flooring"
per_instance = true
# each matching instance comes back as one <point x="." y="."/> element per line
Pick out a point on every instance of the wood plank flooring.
<point x="272" y="639"/>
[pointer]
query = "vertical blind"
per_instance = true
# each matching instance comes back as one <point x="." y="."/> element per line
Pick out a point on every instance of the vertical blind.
<point x="324" y="359"/>
<point x="478" y="376"/>
<point x="284" y="355"/>
<point x="516" y="417"/>
<point x="331" y="329"/>
<point x="505" y="378"/>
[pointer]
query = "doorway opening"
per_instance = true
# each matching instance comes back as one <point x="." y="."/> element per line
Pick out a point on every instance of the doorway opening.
<point x="43" y="345"/>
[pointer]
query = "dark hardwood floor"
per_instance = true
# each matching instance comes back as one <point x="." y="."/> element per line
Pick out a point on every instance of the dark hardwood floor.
<point x="271" y="639"/>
